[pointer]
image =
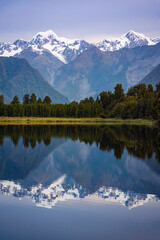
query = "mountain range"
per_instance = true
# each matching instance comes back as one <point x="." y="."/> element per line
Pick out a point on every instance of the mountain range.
<point x="95" y="71"/>
<point x="129" y="40"/>
<point x="79" y="69"/>
<point x="65" y="189"/>
<point x="46" y="52"/>
<point x="66" y="50"/>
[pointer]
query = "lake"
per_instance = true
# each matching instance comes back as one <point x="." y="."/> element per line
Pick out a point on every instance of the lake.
<point x="79" y="182"/>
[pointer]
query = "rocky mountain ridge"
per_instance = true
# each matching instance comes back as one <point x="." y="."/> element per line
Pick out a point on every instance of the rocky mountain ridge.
<point x="60" y="190"/>
<point x="119" y="60"/>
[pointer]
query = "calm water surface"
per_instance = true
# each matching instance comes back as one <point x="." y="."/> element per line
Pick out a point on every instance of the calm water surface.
<point x="79" y="182"/>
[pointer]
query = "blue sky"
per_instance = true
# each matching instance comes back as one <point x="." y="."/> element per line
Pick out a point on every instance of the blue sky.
<point x="91" y="20"/>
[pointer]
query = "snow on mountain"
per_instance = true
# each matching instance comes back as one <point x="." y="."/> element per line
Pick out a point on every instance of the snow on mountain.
<point x="64" y="49"/>
<point x="48" y="52"/>
<point x="128" y="199"/>
<point x="129" y="40"/>
<point x="9" y="50"/>
<point x="63" y="190"/>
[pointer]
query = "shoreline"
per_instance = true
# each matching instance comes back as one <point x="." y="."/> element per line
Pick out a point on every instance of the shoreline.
<point x="79" y="121"/>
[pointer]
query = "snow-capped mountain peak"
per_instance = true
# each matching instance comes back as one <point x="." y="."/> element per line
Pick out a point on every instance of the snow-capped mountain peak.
<point x="20" y="43"/>
<point x="138" y="38"/>
<point x="130" y="39"/>
<point x="132" y="35"/>
<point x="44" y="37"/>
<point x="62" y="190"/>
<point x="67" y="50"/>
<point x="64" y="49"/>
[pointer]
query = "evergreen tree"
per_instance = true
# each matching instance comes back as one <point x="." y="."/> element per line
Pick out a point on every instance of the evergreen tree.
<point x="91" y="100"/>
<point x="131" y="92"/>
<point x="139" y="102"/>
<point x="104" y="99"/>
<point x="150" y="88"/>
<point x="39" y="100"/>
<point x="47" y="100"/>
<point x="140" y="90"/>
<point x="26" y="99"/>
<point x="33" y="98"/>
<point x="118" y="92"/>
<point x="1" y="100"/>
<point x="15" y="100"/>
<point x="158" y="90"/>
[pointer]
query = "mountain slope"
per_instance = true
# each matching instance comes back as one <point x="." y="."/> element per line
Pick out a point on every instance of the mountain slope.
<point x="17" y="77"/>
<point x="45" y="62"/>
<point x="94" y="71"/>
<point x="153" y="77"/>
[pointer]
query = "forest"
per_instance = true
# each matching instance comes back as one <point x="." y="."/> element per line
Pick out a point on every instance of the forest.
<point x="140" y="101"/>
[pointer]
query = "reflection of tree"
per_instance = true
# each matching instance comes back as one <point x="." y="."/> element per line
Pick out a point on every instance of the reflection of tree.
<point x="15" y="139"/>
<point x="1" y="140"/>
<point x="47" y="140"/>
<point x="26" y="142"/>
<point x="33" y="142"/>
<point x="139" y="141"/>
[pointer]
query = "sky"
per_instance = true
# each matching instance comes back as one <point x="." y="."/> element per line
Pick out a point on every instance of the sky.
<point x="92" y="20"/>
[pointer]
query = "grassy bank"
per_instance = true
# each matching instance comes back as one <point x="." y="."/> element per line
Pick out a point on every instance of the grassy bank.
<point x="50" y="121"/>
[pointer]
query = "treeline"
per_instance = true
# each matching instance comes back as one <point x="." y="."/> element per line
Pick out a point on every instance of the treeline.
<point x="140" y="101"/>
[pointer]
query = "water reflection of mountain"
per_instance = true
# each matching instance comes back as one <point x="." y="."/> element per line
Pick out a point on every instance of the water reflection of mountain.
<point x="66" y="189"/>
<point x="93" y="168"/>
<point x="17" y="162"/>
<point x="114" y="163"/>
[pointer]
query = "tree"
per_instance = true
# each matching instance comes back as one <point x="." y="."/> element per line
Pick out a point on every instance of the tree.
<point x="150" y="88"/>
<point x="33" y="98"/>
<point x="158" y="90"/>
<point x="131" y="92"/>
<point x="26" y="99"/>
<point x="140" y="90"/>
<point x="1" y="100"/>
<point x="118" y="91"/>
<point x="15" y="100"/>
<point x="104" y="99"/>
<point x="91" y="100"/>
<point x="39" y="100"/>
<point x="47" y="100"/>
<point x="139" y="102"/>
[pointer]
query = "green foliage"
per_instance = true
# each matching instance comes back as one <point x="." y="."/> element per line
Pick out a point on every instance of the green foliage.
<point x="118" y="92"/>
<point x="1" y="100"/>
<point x="15" y="100"/>
<point x="26" y="99"/>
<point x="39" y="100"/>
<point x="33" y="98"/>
<point x="139" y="102"/>
<point x="47" y="100"/>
